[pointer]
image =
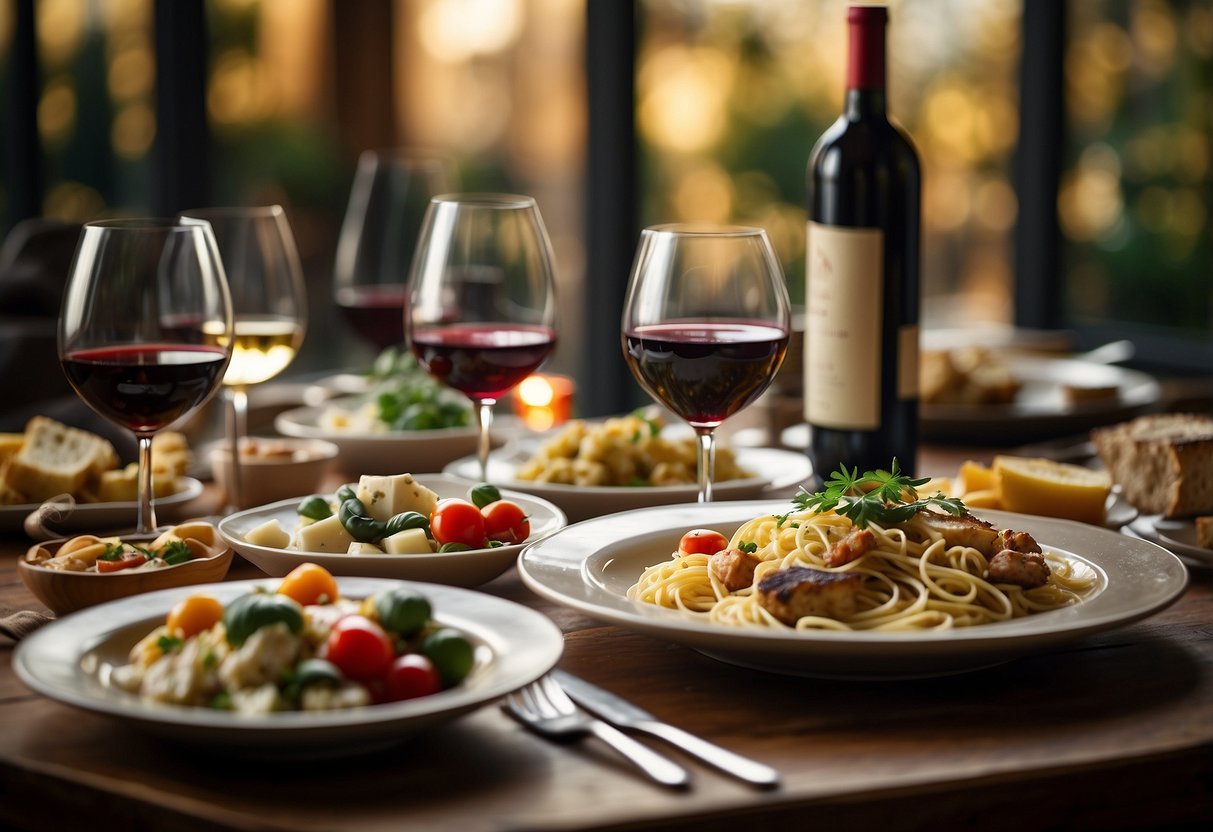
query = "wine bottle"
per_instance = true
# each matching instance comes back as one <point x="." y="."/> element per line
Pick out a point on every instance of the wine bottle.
<point x="861" y="294"/>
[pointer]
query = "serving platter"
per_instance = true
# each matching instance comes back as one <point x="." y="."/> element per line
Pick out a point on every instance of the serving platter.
<point x="779" y="472"/>
<point x="589" y="567"/>
<point x="89" y="517"/>
<point x="70" y="659"/>
<point x="466" y="569"/>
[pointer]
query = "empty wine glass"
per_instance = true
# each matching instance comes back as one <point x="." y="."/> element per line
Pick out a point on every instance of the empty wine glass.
<point x="391" y="192"/>
<point x="705" y="324"/>
<point x="269" y="306"/>
<point x="482" y="303"/>
<point x="145" y="328"/>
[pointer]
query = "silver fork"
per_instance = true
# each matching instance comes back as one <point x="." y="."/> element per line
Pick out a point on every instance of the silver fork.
<point x="547" y="710"/>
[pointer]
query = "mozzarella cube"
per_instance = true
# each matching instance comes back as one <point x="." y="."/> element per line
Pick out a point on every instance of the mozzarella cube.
<point x="327" y="535"/>
<point x="363" y="549"/>
<point x="407" y="542"/>
<point x="385" y="497"/>
<point x="271" y="534"/>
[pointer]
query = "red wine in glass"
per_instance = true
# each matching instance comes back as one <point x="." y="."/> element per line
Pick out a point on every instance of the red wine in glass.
<point x="376" y="313"/>
<point x="483" y="361"/>
<point x="145" y="386"/>
<point x="705" y="371"/>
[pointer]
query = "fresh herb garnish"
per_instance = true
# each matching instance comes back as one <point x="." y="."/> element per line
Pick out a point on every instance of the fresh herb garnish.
<point x="885" y="497"/>
<point x="113" y="551"/>
<point x="169" y="644"/>
<point x="175" y="552"/>
<point x="748" y="546"/>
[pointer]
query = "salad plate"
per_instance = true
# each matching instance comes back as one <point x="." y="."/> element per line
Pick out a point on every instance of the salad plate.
<point x="778" y="473"/>
<point x="70" y="660"/>
<point x="467" y="569"/>
<point x="589" y="567"/>
<point x="366" y="446"/>
<point x="88" y="517"/>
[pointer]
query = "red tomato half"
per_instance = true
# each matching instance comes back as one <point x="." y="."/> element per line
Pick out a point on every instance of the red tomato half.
<point x="359" y="647"/>
<point x="506" y="521"/>
<point x="410" y="676"/>
<point x="457" y="521"/>
<point x="702" y="542"/>
<point x="129" y="561"/>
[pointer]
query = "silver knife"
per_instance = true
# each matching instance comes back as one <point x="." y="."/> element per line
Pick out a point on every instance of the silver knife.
<point x="624" y="714"/>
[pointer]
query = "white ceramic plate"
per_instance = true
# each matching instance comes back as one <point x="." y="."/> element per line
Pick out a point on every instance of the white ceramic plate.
<point x="1177" y="535"/>
<point x="87" y="517"/>
<point x="391" y="452"/>
<point x="470" y="568"/>
<point x="68" y="660"/>
<point x="1040" y="409"/>
<point x="778" y="472"/>
<point x="589" y="567"/>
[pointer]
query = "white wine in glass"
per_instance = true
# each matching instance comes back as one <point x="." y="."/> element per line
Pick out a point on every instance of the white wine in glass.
<point x="269" y="303"/>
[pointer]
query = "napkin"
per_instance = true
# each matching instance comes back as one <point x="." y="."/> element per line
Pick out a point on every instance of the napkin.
<point x="20" y="623"/>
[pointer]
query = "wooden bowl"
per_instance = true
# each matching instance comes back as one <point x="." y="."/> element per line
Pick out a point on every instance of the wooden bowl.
<point x="64" y="592"/>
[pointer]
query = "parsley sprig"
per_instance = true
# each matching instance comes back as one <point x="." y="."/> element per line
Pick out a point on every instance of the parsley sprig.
<point x="885" y="497"/>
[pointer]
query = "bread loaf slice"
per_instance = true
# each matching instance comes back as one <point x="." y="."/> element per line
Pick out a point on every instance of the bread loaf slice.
<point x="1162" y="462"/>
<point x="57" y="459"/>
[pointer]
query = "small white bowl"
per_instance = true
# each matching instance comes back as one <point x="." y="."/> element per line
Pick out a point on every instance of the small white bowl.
<point x="266" y="478"/>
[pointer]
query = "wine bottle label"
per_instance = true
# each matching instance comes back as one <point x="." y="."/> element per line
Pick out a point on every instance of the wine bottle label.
<point x="907" y="362"/>
<point x="844" y="296"/>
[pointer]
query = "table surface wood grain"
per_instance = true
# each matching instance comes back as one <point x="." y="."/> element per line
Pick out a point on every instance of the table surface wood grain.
<point x="1111" y="731"/>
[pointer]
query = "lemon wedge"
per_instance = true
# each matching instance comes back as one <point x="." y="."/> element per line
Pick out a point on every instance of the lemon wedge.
<point x="974" y="476"/>
<point x="1052" y="489"/>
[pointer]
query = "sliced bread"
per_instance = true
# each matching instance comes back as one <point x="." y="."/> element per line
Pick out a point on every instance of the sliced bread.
<point x="1162" y="462"/>
<point x="57" y="459"/>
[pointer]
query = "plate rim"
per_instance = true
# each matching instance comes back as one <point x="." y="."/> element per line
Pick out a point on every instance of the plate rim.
<point x="537" y="576"/>
<point x="287" y="422"/>
<point x="536" y="634"/>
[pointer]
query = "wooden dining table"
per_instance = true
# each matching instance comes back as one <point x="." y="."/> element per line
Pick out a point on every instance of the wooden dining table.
<point x="1111" y="731"/>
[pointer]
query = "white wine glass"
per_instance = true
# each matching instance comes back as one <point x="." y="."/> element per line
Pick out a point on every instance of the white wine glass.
<point x="269" y="305"/>
<point x="705" y="324"/>
<point x="145" y="328"/>
<point x="482" y="303"/>
<point x="392" y="190"/>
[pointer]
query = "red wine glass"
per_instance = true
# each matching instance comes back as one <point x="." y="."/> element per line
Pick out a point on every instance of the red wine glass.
<point x="482" y="303"/>
<point x="388" y="200"/>
<point x="705" y="324"/>
<point x="145" y="329"/>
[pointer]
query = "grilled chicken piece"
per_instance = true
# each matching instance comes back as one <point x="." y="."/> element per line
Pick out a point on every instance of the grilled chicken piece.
<point x="855" y="545"/>
<point x="734" y="568"/>
<point x="1017" y="541"/>
<point x="791" y="594"/>
<point x="1026" y="569"/>
<point x="963" y="530"/>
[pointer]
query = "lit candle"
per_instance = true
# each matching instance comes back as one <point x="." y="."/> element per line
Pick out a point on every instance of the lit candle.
<point x="544" y="401"/>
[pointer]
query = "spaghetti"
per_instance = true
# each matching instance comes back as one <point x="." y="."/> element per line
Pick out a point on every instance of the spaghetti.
<point x="913" y="577"/>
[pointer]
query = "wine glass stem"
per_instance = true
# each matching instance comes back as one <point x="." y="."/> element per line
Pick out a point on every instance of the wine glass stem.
<point x="707" y="463"/>
<point x="237" y="428"/>
<point x="484" y="422"/>
<point x="146" y="518"/>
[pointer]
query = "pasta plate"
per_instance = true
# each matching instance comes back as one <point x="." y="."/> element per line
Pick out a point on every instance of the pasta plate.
<point x="590" y="565"/>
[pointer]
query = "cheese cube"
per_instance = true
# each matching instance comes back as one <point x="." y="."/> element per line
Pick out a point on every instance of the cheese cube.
<point x="407" y="542"/>
<point x="363" y="549"/>
<point x="327" y="535"/>
<point x="271" y="534"/>
<point x="385" y="497"/>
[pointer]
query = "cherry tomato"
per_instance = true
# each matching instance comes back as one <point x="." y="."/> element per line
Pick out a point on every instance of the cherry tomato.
<point x="194" y="614"/>
<point x="457" y="521"/>
<point x="505" y="521"/>
<point x="308" y="584"/>
<point x="359" y="647"/>
<point x="410" y="676"/>
<point x="702" y="542"/>
<point x="129" y="560"/>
